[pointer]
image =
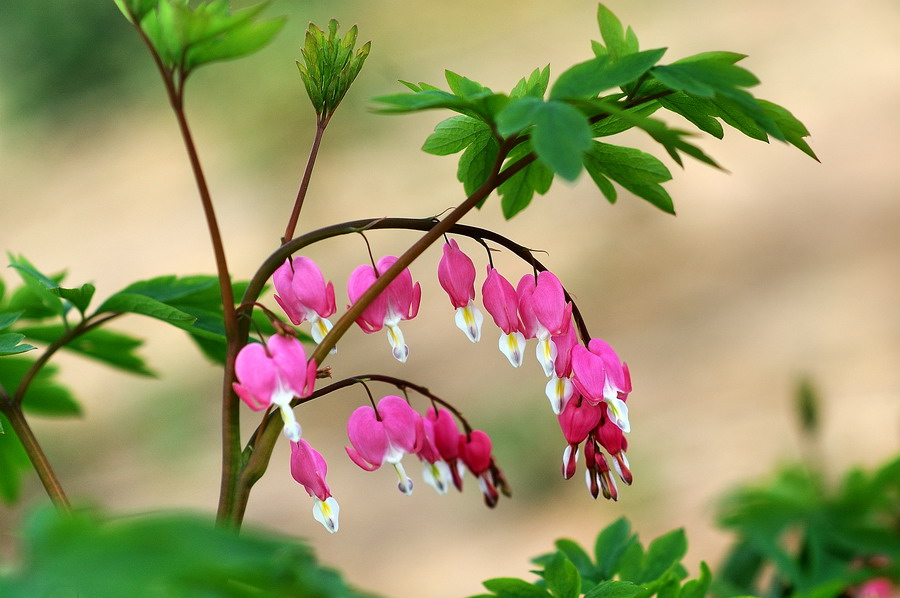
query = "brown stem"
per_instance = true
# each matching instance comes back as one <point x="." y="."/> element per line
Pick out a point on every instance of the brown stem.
<point x="35" y="453"/>
<point x="304" y="182"/>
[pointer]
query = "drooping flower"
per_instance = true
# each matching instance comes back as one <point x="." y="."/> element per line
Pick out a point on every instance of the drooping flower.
<point x="308" y="467"/>
<point x="272" y="374"/>
<point x="304" y="296"/>
<point x="577" y="420"/>
<point x="446" y="440"/>
<point x="601" y="377"/>
<point x="597" y="471"/>
<point x="559" y="389"/>
<point x="544" y="312"/>
<point x="456" y="273"/>
<point x="436" y="472"/>
<point x="384" y="436"/>
<point x="501" y="301"/>
<point x="475" y="453"/>
<point x="611" y="437"/>
<point x="398" y="301"/>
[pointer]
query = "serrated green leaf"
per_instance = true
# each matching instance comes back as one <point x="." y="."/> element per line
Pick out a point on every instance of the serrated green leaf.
<point x="704" y="78"/>
<point x="614" y="589"/>
<point x="113" y="348"/>
<point x="476" y="162"/>
<point x="562" y="578"/>
<point x="698" y="111"/>
<point x="454" y="135"/>
<point x="734" y="116"/>
<point x="465" y="87"/>
<point x="613" y="125"/>
<point x="10" y="344"/>
<point x="510" y="587"/>
<point x="534" y="86"/>
<point x="663" y="553"/>
<point x="635" y="170"/>
<point x="587" y="79"/>
<point x="610" y="546"/>
<point x="560" y="137"/>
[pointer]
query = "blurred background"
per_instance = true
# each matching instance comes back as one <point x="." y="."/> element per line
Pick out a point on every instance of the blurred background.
<point x="779" y="269"/>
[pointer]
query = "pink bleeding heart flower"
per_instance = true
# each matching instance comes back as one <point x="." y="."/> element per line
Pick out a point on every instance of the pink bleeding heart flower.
<point x="610" y="437"/>
<point x="398" y="301"/>
<point x="456" y="273"/>
<point x="559" y="389"/>
<point x="446" y="440"/>
<point x="501" y="301"/>
<point x="601" y="377"/>
<point x="544" y="312"/>
<point x="273" y="374"/>
<point x="475" y="453"/>
<point x="304" y="296"/>
<point x="308" y="467"/>
<point x="597" y="472"/>
<point x="436" y="472"/>
<point x="577" y="420"/>
<point x="384" y="436"/>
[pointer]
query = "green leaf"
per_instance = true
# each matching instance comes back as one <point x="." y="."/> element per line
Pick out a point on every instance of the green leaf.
<point x="14" y="462"/>
<point x="612" y="32"/>
<point x="664" y="553"/>
<point x="38" y="284"/>
<point x="510" y="587"/>
<point x="561" y="136"/>
<point x="517" y="191"/>
<point x="705" y="78"/>
<point x="610" y="546"/>
<point x="734" y="116"/>
<point x="464" y="87"/>
<point x="454" y="135"/>
<point x="240" y="41"/>
<point x="476" y="162"/>
<point x="794" y="130"/>
<point x="577" y="555"/>
<point x="9" y="344"/>
<point x="698" y="111"/>
<point x="113" y="348"/>
<point x="562" y="578"/>
<point x="141" y="304"/>
<point x="613" y="125"/>
<point x="587" y="79"/>
<point x="44" y="396"/>
<point x="535" y="86"/>
<point x="424" y="100"/>
<point x="635" y="170"/>
<point x="162" y="554"/>
<point x="329" y="66"/>
<point x="80" y="297"/>
<point x="697" y="588"/>
<point x="9" y="318"/>
<point x="518" y="115"/>
<point x="631" y="565"/>
<point x="614" y="589"/>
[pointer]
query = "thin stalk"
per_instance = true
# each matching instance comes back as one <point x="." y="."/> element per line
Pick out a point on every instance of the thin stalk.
<point x="35" y="453"/>
<point x="304" y="182"/>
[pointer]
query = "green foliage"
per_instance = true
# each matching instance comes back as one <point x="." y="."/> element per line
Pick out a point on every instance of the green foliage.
<point x="186" y="35"/>
<point x="620" y="568"/>
<point x="330" y="66"/>
<point x="820" y="541"/>
<point x="107" y="346"/>
<point x="160" y="555"/>
<point x="45" y="396"/>
<point x="558" y="130"/>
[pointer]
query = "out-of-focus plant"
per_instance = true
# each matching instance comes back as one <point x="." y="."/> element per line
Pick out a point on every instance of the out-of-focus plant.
<point x="515" y="143"/>
<point x="799" y="535"/>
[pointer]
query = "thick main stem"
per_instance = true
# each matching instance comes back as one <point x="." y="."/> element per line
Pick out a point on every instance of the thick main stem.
<point x="35" y="453"/>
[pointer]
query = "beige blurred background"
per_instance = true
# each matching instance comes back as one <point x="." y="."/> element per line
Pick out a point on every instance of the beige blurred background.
<point x="781" y="268"/>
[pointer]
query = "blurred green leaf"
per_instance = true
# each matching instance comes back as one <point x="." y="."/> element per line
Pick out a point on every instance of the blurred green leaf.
<point x="44" y="396"/>
<point x="535" y="86"/>
<point x="518" y="115"/>
<point x="615" y="589"/>
<point x="635" y="170"/>
<point x="578" y="556"/>
<point x="163" y="554"/>
<point x="611" y="545"/>
<point x="560" y="138"/>
<point x="113" y="348"/>
<point x="664" y="553"/>
<point x="10" y="344"/>
<point x="613" y="125"/>
<point x="9" y="318"/>
<point x="510" y="587"/>
<point x="80" y="297"/>
<point x="40" y="285"/>
<point x="563" y="579"/>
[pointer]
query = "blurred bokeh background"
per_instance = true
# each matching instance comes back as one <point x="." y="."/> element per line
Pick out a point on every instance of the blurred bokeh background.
<point x="780" y="269"/>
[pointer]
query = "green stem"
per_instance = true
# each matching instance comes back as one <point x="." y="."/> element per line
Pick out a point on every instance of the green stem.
<point x="35" y="453"/>
<point x="304" y="182"/>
